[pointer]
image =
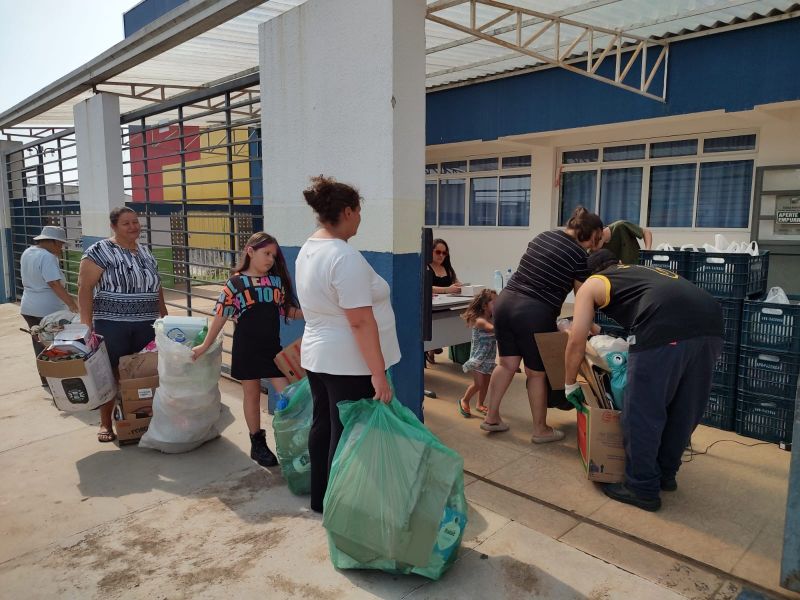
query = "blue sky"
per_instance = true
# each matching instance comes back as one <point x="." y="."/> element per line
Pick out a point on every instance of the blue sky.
<point x="43" y="40"/>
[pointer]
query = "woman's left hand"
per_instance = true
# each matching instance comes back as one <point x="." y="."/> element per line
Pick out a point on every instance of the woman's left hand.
<point x="383" y="391"/>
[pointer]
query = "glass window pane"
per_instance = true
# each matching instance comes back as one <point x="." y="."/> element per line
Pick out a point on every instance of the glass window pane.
<point x="730" y="144"/>
<point x="459" y="166"/>
<point x="578" y="188"/>
<point x="483" y="164"/>
<point x="513" y="162"/>
<point x="579" y="156"/>
<point x="451" y="201"/>
<point x="431" y="169"/>
<point x="430" y="203"/>
<point x="724" y="196"/>
<point x="676" y="148"/>
<point x="632" y="152"/>
<point x="483" y="201"/>
<point x="620" y="194"/>
<point x="671" y="195"/>
<point x="515" y="201"/>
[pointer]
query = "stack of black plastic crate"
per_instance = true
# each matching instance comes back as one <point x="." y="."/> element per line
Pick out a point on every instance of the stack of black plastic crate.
<point x="769" y="365"/>
<point x="730" y="278"/>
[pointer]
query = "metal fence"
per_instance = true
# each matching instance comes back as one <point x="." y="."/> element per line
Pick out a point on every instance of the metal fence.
<point x="42" y="178"/>
<point x="192" y="171"/>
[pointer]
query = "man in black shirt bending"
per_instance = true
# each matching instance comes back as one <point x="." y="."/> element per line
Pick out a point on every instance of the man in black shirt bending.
<point x="676" y="339"/>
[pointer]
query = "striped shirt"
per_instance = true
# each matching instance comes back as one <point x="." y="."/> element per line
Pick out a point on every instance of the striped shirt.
<point x="129" y="286"/>
<point x="548" y="268"/>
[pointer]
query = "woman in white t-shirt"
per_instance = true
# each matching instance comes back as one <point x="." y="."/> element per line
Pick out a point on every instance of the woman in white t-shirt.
<point x="350" y="338"/>
<point x="43" y="291"/>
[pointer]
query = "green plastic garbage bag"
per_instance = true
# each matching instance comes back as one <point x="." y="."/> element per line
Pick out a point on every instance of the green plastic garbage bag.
<point x="291" y="424"/>
<point x="395" y="498"/>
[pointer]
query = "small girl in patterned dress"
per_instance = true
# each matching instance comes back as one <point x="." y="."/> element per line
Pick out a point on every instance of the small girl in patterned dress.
<point x="484" y="350"/>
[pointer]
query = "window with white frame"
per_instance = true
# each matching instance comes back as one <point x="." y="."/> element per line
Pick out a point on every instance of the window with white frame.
<point x="702" y="181"/>
<point x="479" y="192"/>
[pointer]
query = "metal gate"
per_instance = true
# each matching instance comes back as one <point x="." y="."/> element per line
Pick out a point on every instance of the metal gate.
<point x="43" y="190"/>
<point x="192" y="170"/>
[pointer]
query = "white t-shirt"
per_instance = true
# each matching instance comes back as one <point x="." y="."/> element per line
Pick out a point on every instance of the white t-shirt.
<point x="37" y="267"/>
<point x="332" y="276"/>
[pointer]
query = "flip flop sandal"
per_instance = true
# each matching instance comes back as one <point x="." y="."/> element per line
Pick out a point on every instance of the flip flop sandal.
<point x="482" y="409"/>
<point x="464" y="413"/>
<point x="106" y="436"/>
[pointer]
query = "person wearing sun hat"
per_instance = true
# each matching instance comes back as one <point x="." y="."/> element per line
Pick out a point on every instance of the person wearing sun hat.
<point x="43" y="284"/>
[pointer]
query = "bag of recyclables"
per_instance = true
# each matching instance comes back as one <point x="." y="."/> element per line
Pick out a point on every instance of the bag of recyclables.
<point x="291" y="424"/>
<point x="186" y="406"/>
<point x="395" y="499"/>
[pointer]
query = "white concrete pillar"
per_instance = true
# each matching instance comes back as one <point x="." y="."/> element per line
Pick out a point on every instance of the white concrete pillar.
<point x="99" y="151"/>
<point x="343" y="94"/>
<point x="6" y="249"/>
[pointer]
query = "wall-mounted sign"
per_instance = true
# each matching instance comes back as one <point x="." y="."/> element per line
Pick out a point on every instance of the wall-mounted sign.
<point x="789" y="217"/>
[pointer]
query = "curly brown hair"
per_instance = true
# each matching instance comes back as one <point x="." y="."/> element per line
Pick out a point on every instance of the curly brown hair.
<point x="329" y="198"/>
<point x="478" y="306"/>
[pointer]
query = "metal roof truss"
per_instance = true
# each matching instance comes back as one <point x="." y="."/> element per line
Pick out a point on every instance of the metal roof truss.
<point x="517" y="28"/>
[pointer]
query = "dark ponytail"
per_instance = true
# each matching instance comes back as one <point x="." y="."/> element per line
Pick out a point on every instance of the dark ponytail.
<point x="585" y="224"/>
<point x="329" y="198"/>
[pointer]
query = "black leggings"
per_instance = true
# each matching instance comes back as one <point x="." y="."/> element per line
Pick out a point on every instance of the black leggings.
<point x="326" y="427"/>
<point x="37" y="345"/>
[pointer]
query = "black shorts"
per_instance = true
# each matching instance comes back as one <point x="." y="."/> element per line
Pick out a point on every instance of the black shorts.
<point x="516" y="319"/>
<point x="124" y="337"/>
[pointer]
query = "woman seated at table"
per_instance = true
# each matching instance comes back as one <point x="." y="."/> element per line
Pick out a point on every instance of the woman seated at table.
<point x="444" y="276"/>
<point x="444" y="280"/>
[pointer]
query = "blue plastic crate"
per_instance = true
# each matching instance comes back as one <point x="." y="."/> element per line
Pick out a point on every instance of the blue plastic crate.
<point x="721" y="408"/>
<point x="764" y="417"/>
<point x="729" y="275"/>
<point x="677" y="261"/>
<point x="770" y="373"/>
<point x="732" y="320"/>
<point x="726" y="367"/>
<point x="773" y="327"/>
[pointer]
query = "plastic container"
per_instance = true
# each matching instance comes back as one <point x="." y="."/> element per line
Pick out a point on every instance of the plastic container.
<point x="183" y="330"/>
<point x="732" y="320"/>
<point x="730" y="275"/>
<point x="721" y="408"/>
<point x="498" y="281"/>
<point x="773" y="327"/>
<point x="725" y="369"/>
<point x="764" y="372"/>
<point x="764" y="417"/>
<point x="677" y="261"/>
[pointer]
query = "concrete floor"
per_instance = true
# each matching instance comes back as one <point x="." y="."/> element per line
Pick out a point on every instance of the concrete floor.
<point x="80" y="519"/>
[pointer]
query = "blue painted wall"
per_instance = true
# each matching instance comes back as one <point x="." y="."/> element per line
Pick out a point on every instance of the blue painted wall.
<point x="145" y="13"/>
<point x="402" y="272"/>
<point x="732" y="71"/>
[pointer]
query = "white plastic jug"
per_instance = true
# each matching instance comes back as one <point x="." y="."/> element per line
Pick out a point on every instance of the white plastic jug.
<point x="183" y="329"/>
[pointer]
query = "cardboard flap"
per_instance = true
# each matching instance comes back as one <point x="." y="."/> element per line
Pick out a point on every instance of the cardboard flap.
<point x="137" y="366"/>
<point x="288" y="361"/>
<point x="62" y="369"/>
<point x="139" y="384"/>
<point x="552" y="347"/>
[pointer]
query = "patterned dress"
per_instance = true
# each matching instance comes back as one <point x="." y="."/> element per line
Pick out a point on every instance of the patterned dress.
<point x="484" y="351"/>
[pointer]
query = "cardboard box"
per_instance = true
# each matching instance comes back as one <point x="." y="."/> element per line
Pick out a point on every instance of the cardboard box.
<point x="130" y="430"/>
<point x="134" y="390"/>
<point x="136" y="366"/>
<point x="599" y="429"/>
<point x="80" y="383"/>
<point x="288" y="361"/>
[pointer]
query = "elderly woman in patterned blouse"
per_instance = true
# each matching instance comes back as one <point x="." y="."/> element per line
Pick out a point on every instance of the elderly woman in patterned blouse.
<point x="128" y="299"/>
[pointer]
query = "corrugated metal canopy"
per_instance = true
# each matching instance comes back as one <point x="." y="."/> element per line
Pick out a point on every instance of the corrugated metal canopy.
<point x="452" y="55"/>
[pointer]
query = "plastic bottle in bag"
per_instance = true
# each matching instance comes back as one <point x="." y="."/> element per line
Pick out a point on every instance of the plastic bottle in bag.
<point x="498" y="281"/>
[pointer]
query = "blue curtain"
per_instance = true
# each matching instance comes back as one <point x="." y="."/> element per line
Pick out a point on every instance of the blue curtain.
<point x="724" y="196"/>
<point x="671" y="195"/>
<point x="515" y="201"/>
<point x="483" y="201"/>
<point x="430" y="203"/>
<point x="620" y="194"/>
<point x="578" y="188"/>
<point x="451" y="201"/>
